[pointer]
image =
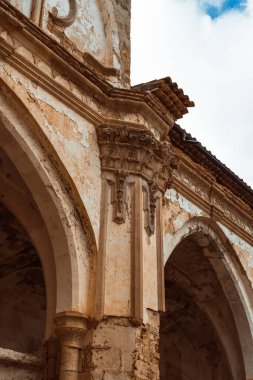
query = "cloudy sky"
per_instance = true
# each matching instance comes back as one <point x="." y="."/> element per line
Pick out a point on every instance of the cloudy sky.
<point x="206" y="46"/>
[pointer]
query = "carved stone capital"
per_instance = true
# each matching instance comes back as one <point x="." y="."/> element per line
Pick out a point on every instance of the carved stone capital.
<point x="71" y="327"/>
<point x="130" y="151"/>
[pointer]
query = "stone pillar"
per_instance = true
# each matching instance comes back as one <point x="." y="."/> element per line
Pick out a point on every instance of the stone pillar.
<point x="136" y="171"/>
<point x="121" y="348"/>
<point x="70" y="329"/>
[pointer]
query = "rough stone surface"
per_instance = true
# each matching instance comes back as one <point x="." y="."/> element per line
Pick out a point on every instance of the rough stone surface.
<point x="118" y="349"/>
<point x="100" y="236"/>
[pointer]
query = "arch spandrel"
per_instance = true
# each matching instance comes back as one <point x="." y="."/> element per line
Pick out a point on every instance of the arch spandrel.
<point x="230" y="273"/>
<point x="73" y="243"/>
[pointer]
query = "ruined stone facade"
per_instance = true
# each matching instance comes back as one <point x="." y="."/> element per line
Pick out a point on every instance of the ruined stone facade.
<point x="126" y="248"/>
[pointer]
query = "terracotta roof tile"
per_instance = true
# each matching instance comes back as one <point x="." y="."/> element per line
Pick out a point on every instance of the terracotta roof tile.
<point x="199" y="154"/>
<point x="169" y="94"/>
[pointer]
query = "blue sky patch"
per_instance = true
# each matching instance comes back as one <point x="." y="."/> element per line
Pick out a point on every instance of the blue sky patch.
<point x="216" y="11"/>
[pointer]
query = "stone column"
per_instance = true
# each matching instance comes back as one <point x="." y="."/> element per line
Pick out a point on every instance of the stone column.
<point x="70" y="329"/>
<point x="136" y="171"/>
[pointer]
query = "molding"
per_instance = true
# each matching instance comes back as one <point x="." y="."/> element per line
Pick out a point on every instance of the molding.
<point x="137" y="252"/>
<point x="36" y="11"/>
<point x="93" y="62"/>
<point x="6" y="50"/>
<point x="128" y="151"/>
<point x="101" y="260"/>
<point x="160" y="256"/>
<point x="85" y="75"/>
<point x="210" y="165"/>
<point x="117" y="101"/>
<point x="22" y="65"/>
<point x="200" y="188"/>
<point x="72" y="321"/>
<point x="68" y="20"/>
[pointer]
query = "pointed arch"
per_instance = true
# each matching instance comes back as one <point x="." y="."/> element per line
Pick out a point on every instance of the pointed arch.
<point x="230" y="274"/>
<point x="66" y="232"/>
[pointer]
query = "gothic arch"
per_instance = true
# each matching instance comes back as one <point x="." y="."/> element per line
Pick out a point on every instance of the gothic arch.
<point x="64" y="237"/>
<point x="231" y="276"/>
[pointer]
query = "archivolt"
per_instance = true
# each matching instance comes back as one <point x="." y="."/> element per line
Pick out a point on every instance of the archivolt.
<point x="231" y="276"/>
<point x="58" y="201"/>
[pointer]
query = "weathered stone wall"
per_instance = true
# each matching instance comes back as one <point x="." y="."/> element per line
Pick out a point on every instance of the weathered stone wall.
<point x="189" y="210"/>
<point x="179" y="210"/>
<point x="19" y="366"/>
<point x="96" y="32"/>
<point x="94" y="162"/>
<point x="119" y="348"/>
<point x="8" y="372"/>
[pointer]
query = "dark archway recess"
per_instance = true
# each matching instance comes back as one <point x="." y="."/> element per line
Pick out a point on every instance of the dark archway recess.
<point x="22" y="288"/>
<point x="198" y="336"/>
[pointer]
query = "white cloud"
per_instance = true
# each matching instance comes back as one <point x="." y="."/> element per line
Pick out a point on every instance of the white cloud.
<point x="212" y="61"/>
<point x="215" y="3"/>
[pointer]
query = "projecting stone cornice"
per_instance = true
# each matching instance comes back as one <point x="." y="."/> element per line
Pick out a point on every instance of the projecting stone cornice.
<point x="169" y="94"/>
<point x="88" y="77"/>
<point x="200" y="187"/>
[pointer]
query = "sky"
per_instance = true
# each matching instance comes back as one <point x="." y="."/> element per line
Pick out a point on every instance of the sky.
<point x="206" y="46"/>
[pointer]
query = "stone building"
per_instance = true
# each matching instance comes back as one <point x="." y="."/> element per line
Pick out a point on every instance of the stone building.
<point x="126" y="248"/>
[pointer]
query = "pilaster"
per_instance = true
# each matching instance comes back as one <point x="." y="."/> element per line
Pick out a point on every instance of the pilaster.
<point x="137" y="169"/>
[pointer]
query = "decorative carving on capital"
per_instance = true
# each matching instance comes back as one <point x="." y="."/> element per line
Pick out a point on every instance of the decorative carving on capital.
<point x="71" y="327"/>
<point x="130" y="151"/>
<point x="71" y="334"/>
<point x="68" y="20"/>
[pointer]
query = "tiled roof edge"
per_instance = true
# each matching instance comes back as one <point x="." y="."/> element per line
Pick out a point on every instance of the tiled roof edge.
<point x="199" y="154"/>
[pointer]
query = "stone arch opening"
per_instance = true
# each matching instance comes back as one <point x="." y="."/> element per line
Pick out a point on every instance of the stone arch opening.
<point x="206" y="327"/>
<point x="22" y="288"/>
<point x="36" y="188"/>
<point x="58" y="227"/>
<point x="27" y="285"/>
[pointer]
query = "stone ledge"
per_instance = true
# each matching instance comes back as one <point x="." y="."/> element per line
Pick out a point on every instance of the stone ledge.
<point x="20" y="359"/>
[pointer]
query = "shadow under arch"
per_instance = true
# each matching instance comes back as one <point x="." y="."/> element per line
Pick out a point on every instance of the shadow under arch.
<point x="66" y="224"/>
<point x="231" y="276"/>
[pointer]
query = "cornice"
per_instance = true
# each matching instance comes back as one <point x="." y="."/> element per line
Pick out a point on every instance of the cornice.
<point x="22" y="65"/>
<point x="112" y="102"/>
<point x="221" y="174"/>
<point x="201" y="189"/>
<point x="85" y="76"/>
<point x="169" y="94"/>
